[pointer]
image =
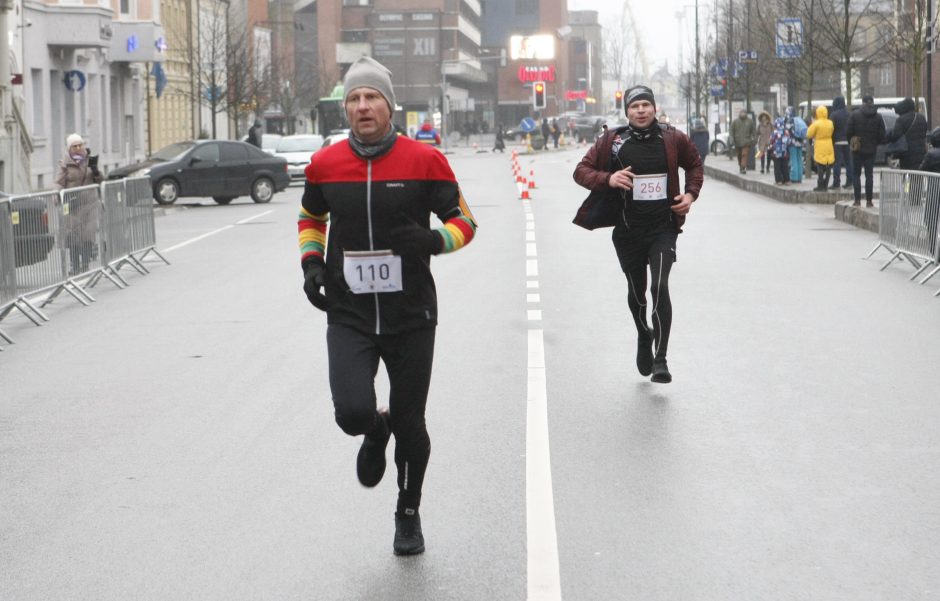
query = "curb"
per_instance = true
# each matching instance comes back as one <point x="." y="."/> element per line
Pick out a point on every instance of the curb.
<point x="859" y="217"/>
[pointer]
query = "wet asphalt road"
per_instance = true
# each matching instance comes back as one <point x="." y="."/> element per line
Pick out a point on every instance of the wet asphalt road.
<point x="175" y="440"/>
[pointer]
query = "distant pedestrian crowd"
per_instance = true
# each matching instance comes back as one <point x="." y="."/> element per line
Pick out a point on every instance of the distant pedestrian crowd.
<point x="842" y="142"/>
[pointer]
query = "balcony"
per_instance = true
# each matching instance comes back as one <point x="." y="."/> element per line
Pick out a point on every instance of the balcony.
<point x="77" y="26"/>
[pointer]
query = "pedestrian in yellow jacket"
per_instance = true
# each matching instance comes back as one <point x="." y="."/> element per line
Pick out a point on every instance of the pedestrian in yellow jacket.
<point x="820" y="131"/>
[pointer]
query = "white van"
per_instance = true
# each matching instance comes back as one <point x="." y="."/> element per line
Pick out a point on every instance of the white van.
<point x="881" y="104"/>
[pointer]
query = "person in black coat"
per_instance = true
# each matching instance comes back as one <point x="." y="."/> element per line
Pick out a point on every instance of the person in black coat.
<point x="869" y="127"/>
<point x="913" y="126"/>
<point x="931" y="163"/>
<point x="700" y="137"/>
<point x="840" y="123"/>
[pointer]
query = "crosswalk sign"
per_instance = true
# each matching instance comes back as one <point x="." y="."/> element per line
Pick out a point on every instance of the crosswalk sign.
<point x="789" y="37"/>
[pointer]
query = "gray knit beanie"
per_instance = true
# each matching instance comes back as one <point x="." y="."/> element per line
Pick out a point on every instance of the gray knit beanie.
<point x="370" y="73"/>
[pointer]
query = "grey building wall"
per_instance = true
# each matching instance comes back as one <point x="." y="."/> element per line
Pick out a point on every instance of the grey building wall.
<point x="502" y="18"/>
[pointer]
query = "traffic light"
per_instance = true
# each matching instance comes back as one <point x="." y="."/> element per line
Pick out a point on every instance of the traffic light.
<point x="618" y="99"/>
<point x="538" y="95"/>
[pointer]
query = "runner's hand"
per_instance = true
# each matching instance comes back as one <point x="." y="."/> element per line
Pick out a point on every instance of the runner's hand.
<point x="412" y="239"/>
<point x="621" y="179"/>
<point x="314" y="279"/>
<point x="682" y="204"/>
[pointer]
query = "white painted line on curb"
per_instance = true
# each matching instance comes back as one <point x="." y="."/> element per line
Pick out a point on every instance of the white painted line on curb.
<point x="196" y="239"/>
<point x="532" y="284"/>
<point x="543" y="573"/>
<point x="530" y="236"/>
<point x="533" y="298"/>
<point x="530" y="225"/>
<point x="534" y="314"/>
<point x="530" y="250"/>
<point x="246" y="220"/>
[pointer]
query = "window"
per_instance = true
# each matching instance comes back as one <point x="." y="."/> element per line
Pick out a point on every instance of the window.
<point x="355" y="36"/>
<point x="357" y="2"/>
<point x="527" y="7"/>
<point x="234" y="152"/>
<point x="206" y="152"/>
<point x="39" y="101"/>
<point x="125" y="7"/>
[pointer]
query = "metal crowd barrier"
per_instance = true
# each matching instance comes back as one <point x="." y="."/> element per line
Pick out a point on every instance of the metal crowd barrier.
<point x="66" y="241"/>
<point x="908" y="215"/>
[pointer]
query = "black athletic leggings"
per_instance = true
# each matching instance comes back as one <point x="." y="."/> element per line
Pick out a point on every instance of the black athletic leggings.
<point x="354" y="362"/>
<point x="655" y="248"/>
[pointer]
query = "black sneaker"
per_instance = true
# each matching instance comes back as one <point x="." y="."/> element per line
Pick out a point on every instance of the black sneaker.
<point x="846" y="186"/>
<point x="661" y="373"/>
<point x="408" y="537"/>
<point x="370" y="464"/>
<point x="644" y="354"/>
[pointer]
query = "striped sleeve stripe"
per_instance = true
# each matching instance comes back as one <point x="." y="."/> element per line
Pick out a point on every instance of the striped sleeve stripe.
<point x="311" y="234"/>
<point x="457" y="233"/>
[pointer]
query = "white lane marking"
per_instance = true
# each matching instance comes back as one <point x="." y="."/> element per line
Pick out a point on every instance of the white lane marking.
<point x="530" y="236"/>
<point x="247" y="219"/>
<point x="533" y="298"/>
<point x="544" y="579"/>
<point x="531" y="267"/>
<point x="530" y="250"/>
<point x="529" y="217"/>
<point x="532" y="284"/>
<point x="534" y="314"/>
<point x="197" y="239"/>
<point x="530" y="226"/>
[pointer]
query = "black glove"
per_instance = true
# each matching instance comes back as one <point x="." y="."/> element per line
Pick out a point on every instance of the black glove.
<point x="314" y="279"/>
<point x="412" y="239"/>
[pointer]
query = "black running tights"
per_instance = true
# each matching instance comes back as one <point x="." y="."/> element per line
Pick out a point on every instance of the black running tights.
<point x="354" y="361"/>
<point x="646" y="259"/>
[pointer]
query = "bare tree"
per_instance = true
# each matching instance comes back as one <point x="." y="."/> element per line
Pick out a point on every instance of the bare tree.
<point x="910" y="35"/>
<point x="843" y="26"/>
<point x="616" y="46"/>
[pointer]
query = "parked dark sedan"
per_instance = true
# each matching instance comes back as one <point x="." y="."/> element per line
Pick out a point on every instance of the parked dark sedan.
<point x="221" y="169"/>
<point x="32" y="239"/>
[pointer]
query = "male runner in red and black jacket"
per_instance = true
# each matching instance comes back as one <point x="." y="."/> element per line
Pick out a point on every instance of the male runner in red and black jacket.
<point x="373" y="195"/>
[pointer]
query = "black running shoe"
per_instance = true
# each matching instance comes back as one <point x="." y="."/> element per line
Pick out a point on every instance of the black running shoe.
<point x="370" y="464"/>
<point x="408" y="537"/>
<point x="644" y="354"/>
<point x="661" y="372"/>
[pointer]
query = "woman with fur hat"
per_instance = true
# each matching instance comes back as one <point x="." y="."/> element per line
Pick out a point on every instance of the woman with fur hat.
<point x="78" y="168"/>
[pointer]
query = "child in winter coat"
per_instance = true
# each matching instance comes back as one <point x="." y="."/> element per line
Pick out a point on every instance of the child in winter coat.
<point x="778" y="148"/>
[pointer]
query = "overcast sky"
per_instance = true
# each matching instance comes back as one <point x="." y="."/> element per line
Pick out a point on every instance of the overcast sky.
<point x="659" y="27"/>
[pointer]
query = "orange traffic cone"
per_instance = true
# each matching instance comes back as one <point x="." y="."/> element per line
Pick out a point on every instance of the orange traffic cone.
<point x="532" y="180"/>
<point x="525" y="195"/>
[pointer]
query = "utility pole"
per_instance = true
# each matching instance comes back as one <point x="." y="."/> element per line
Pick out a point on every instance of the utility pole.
<point x="732" y="60"/>
<point x="698" y="71"/>
<point x="747" y="72"/>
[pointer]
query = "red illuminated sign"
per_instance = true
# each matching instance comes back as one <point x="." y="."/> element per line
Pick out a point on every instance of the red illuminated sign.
<point x="576" y="95"/>
<point x="529" y="73"/>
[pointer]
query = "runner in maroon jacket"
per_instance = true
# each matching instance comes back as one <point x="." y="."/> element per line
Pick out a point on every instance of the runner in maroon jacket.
<point x="633" y="175"/>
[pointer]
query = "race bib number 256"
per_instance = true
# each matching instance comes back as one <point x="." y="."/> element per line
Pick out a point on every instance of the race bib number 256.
<point x="372" y="271"/>
<point x="649" y="187"/>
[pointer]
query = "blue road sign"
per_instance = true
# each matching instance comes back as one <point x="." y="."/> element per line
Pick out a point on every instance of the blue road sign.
<point x="789" y="37"/>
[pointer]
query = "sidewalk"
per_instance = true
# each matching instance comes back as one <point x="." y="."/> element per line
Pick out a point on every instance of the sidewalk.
<point x="722" y="168"/>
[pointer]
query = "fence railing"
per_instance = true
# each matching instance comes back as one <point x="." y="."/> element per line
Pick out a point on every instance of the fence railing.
<point x="908" y="215"/>
<point x="68" y="240"/>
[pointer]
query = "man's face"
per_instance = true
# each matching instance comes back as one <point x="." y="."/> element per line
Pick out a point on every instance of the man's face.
<point x="742" y="115"/>
<point x="368" y="113"/>
<point x="641" y="113"/>
<point x="78" y="148"/>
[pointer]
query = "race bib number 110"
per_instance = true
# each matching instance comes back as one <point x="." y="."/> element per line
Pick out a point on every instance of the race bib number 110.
<point x="372" y="271"/>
